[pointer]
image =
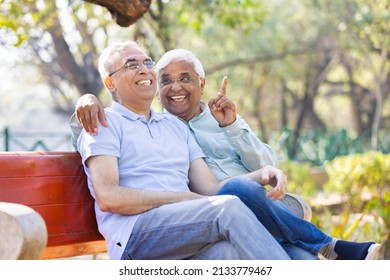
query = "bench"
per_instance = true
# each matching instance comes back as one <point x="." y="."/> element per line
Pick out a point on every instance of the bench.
<point x="52" y="187"/>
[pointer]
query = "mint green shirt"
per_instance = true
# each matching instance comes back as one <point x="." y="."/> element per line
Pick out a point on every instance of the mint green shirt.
<point x="232" y="150"/>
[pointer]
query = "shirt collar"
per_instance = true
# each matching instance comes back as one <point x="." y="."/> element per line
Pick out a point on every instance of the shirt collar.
<point x="120" y="109"/>
<point x="203" y="107"/>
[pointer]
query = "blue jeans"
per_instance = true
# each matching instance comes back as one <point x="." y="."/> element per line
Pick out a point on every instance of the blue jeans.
<point x="211" y="228"/>
<point x="283" y="224"/>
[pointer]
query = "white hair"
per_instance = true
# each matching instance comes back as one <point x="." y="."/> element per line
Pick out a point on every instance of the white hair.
<point x="111" y="54"/>
<point x="180" y="55"/>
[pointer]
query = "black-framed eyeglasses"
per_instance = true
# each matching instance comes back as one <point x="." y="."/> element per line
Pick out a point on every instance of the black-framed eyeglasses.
<point x="181" y="81"/>
<point x="132" y="64"/>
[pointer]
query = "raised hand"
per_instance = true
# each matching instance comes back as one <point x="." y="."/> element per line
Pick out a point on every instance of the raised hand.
<point x="88" y="112"/>
<point x="221" y="107"/>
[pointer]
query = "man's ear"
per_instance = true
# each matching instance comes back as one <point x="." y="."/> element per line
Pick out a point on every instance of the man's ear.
<point x="202" y="84"/>
<point x="109" y="83"/>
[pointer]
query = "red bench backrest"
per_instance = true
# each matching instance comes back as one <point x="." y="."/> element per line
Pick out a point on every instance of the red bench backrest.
<point x="53" y="184"/>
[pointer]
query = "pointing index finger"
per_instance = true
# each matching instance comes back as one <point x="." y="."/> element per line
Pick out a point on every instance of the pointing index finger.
<point x="223" y="86"/>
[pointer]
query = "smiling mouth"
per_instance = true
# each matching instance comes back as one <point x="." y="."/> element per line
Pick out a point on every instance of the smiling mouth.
<point x="144" y="82"/>
<point x="177" y="98"/>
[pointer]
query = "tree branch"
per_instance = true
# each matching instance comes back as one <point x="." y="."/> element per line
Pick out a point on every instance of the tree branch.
<point x="252" y="60"/>
<point x="125" y="12"/>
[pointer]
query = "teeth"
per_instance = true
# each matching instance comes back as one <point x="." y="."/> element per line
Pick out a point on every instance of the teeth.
<point x="144" y="82"/>
<point x="178" y="98"/>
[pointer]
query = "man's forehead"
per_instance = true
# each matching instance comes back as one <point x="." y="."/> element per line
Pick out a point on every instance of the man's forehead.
<point x="133" y="52"/>
<point x="177" y="68"/>
<point x="175" y="73"/>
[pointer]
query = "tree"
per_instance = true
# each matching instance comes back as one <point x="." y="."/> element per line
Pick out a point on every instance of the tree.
<point x="366" y="46"/>
<point x="66" y="65"/>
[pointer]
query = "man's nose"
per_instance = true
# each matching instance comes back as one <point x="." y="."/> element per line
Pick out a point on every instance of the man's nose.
<point x="176" y="86"/>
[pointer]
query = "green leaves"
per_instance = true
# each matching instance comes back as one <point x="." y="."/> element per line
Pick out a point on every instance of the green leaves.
<point x="365" y="178"/>
<point x="244" y="14"/>
<point x="362" y="182"/>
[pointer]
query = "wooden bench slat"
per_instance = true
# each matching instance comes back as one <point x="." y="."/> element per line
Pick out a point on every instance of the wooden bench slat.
<point x="80" y="249"/>
<point x="55" y="186"/>
<point x="45" y="190"/>
<point x="26" y="164"/>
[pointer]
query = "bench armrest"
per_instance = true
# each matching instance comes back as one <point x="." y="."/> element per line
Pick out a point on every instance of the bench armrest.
<point x="23" y="233"/>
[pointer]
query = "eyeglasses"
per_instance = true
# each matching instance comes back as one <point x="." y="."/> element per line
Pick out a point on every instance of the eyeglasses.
<point x="134" y="65"/>
<point x="181" y="81"/>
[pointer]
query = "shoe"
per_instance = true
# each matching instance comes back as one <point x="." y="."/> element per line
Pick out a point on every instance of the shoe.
<point x="298" y="206"/>
<point x="373" y="252"/>
<point x="345" y="250"/>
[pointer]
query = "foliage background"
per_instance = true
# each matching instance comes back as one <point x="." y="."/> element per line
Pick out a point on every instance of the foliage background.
<point x="354" y="201"/>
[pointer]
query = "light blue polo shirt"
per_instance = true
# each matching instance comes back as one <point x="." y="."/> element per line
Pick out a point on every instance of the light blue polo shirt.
<point x="152" y="155"/>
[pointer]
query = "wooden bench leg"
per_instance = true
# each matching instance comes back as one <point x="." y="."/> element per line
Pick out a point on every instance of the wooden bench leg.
<point x="23" y="233"/>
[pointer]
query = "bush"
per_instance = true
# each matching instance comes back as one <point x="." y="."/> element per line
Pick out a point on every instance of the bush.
<point x="365" y="179"/>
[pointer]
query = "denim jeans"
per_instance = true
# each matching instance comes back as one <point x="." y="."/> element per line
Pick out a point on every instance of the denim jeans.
<point x="210" y="228"/>
<point x="283" y="224"/>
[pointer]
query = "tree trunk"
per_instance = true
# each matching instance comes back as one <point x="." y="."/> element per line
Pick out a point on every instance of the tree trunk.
<point x="73" y="73"/>
<point x="379" y="105"/>
<point x="356" y="101"/>
<point x="256" y="97"/>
